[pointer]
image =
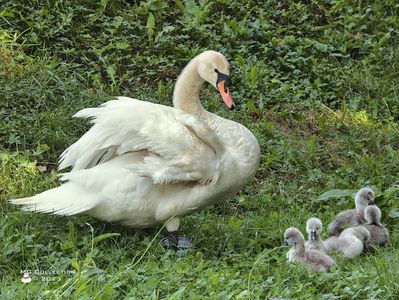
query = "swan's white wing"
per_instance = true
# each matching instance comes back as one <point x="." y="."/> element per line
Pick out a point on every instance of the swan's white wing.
<point x="180" y="146"/>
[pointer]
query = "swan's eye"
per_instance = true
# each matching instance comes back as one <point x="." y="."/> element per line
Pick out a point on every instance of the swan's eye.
<point x="216" y="70"/>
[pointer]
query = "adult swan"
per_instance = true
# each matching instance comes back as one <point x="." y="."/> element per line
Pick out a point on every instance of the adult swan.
<point x="142" y="164"/>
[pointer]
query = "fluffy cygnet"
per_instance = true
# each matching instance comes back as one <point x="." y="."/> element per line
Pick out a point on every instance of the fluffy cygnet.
<point x="312" y="259"/>
<point x="350" y="242"/>
<point x="352" y="217"/>
<point x="379" y="235"/>
<point x="314" y="228"/>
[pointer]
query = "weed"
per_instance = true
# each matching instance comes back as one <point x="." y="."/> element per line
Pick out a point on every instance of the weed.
<point x="315" y="81"/>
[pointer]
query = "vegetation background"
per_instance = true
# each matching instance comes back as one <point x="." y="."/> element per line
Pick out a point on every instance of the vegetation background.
<point x="316" y="81"/>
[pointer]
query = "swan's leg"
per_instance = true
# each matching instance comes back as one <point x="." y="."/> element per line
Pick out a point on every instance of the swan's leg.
<point x="172" y="226"/>
<point x="179" y="243"/>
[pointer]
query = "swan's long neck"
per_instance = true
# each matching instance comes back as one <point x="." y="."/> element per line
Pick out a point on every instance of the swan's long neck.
<point x="373" y="218"/>
<point x="299" y="246"/>
<point x="316" y="240"/>
<point x="234" y="135"/>
<point x="359" y="206"/>
<point x="186" y="92"/>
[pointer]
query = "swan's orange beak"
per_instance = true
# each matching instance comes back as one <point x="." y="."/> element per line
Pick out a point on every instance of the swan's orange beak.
<point x="225" y="93"/>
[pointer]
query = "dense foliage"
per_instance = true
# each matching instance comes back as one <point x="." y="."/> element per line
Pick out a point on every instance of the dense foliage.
<point x="316" y="81"/>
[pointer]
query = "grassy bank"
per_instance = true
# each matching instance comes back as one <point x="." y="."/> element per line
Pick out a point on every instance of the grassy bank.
<point x="316" y="82"/>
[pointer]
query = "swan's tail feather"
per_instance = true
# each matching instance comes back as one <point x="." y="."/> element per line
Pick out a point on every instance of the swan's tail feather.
<point x="66" y="200"/>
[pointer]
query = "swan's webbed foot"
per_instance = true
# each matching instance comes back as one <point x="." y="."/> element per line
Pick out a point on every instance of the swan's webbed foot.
<point x="172" y="240"/>
<point x="181" y="244"/>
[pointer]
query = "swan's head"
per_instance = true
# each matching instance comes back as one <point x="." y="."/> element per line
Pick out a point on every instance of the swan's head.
<point x="292" y="236"/>
<point x="364" y="197"/>
<point x="313" y="228"/>
<point x="360" y="232"/>
<point x="213" y="67"/>
<point x="372" y="214"/>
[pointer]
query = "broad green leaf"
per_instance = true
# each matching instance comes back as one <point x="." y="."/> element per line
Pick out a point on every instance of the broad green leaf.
<point x="150" y="25"/>
<point x="103" y="237"/>
<point x="67" y="245"/>
<point x="75" y="265"/>
<point x="111" y="73"/>
<point x="180" y="5"/>
<point x="251" y="106"/>
<point x="178" y="294"/>
<point x="389" y="191"/>
<point x="335" y="194"/>
<point x="121" y="46"/>
<point x="394" y="213"/>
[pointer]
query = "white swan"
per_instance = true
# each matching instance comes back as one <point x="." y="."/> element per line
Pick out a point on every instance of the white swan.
<point x="352" y="217"/>
<point x="142" y="164"/>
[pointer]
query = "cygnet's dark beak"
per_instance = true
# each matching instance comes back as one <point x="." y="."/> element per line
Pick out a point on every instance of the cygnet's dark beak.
<point x="283" y="245"/>
<point x="313" y="235"/>
<point x="370" y="198"/>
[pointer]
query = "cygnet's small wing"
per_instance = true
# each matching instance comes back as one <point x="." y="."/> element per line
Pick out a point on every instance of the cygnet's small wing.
<point x="318" y="261"/>
<point x="333" y="243"/>
<point x="347" y="218"/>
<point x="379" y="235"/>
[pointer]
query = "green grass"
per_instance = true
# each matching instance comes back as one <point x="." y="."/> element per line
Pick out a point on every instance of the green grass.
<point x="315" y="81"/>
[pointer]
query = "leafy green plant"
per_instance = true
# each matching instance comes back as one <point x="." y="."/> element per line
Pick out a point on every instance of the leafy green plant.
<point x="316" y="82"/>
